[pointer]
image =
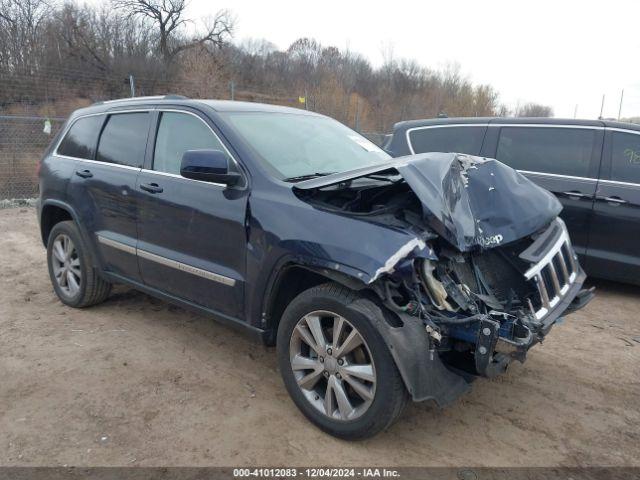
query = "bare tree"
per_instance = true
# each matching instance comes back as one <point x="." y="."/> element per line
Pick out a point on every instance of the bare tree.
<point x="168" y="17"/>
<point x="535" y="110"/>
<point x="502" y="111"/>
<point x="21" y="22"/>
<point x="69" y="54"/>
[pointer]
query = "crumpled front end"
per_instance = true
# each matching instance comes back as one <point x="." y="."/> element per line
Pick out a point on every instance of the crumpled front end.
<point x="477" y="202"/>
<point x="487" y="268"/>
<point x="487" y="308"/>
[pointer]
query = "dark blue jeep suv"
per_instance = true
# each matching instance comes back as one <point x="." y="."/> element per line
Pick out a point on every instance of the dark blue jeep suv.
<point x="378" y="279"/>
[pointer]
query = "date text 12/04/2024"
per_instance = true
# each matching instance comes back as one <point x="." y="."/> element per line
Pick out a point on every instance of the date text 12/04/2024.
<point x="315" y="472"/>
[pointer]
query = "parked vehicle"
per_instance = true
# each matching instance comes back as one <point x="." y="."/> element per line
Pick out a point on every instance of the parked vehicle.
<point x="376" y="279"/>
<point x="593" y="167"/>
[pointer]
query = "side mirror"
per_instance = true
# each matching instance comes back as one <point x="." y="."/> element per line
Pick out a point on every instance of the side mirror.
<point x="208" y="166"/>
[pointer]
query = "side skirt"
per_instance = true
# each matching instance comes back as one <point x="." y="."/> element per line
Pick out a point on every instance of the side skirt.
<point x="256" y="334"/>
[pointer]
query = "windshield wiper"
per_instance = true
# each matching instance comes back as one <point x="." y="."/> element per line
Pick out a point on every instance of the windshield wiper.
<point x="308" y="176"/>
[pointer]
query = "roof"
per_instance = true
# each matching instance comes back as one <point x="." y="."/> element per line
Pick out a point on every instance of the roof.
<point x="216" y="105"/>
<point x="234" y="106"/>
<point x="510" y="120"/>
<point x="625" y="125"/>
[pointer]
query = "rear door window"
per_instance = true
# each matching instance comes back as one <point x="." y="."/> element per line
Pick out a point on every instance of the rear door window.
<point x="625" y="157"/>
<point x="459" y="139"/>
<point x="81" y="139"/>
<point x="561" y="151"/>
<point x="124" y="139"/>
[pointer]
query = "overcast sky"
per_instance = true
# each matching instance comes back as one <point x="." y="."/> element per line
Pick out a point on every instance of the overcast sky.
<point x="559" y="53"/>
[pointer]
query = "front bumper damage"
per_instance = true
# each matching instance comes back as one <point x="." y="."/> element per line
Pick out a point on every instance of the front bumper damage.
<point x="508" y="346"/>
<point x="429" y="376"/>
<point x="423" y="371"/>
<point x="554" y="271"/>
<point x="480" y="267"/>
<point x="424" y="374"/>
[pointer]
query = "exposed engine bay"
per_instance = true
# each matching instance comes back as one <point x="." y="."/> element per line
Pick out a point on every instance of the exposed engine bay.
<point x="488" y="279"/>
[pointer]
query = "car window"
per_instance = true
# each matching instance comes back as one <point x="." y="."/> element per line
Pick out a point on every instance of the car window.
<point x="177" y="133"/>
<point x="625" y="157"/>
<point x="80" y="141"/>
<point x="562" y="151"/>
<point x="298" y="145"/>
<point x="448" y="139"/>
<point x="124" y="139"/>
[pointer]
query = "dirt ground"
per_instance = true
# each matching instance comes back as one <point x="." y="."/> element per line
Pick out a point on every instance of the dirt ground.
<point x="135" y="381"/>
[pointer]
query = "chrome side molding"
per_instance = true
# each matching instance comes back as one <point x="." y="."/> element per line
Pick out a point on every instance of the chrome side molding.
<point x="167" y="262"/>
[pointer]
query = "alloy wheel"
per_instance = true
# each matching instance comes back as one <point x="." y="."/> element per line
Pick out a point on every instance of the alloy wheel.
<point x="66" y="265"/>
<point x="332" y="365"/>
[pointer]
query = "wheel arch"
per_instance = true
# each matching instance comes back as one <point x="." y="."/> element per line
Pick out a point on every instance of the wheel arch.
<point x="51" y="213"/>
<point x="291" y="279"/>
<point x="424" y="375"/>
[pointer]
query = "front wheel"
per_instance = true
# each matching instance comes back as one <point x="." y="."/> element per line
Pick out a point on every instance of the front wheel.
<point x="336" y="366"/>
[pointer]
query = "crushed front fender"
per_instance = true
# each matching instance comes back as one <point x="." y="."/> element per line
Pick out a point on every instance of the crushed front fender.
<point x="423" y="373"/>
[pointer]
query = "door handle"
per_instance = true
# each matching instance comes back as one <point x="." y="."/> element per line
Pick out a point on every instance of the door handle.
<point x="612" y="200"/>
<point x="84" y="173"/>
<point x="151" y="187"/>
<point x="576" y="195"/>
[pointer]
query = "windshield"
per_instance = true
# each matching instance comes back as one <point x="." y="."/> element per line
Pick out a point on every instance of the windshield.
<point x="305" y="146"/>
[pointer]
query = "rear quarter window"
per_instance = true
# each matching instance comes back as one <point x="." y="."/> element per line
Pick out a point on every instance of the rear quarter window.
<point x="448" y="139"/>
<point x="81" y="139"/>
<point x="560" y="151"/>
<point x="625" y="157"/>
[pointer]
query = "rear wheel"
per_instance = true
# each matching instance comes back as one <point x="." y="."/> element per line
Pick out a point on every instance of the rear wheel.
<point x="74" y="279"/>
<point x="336" y="365"/>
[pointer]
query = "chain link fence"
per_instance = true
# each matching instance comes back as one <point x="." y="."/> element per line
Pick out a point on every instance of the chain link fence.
<point x="34" y="107"/>
<point x="23" y="140"/>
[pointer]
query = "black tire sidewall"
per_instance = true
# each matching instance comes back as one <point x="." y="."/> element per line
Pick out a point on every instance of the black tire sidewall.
<point x="69" y="229"/>
<point x="375" y="418"/>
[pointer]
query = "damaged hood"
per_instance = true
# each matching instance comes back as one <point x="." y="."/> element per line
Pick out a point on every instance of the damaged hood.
<point x="469" y="201"/>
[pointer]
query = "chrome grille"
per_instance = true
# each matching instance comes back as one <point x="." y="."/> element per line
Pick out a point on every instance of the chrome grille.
<point x="554" y="273"/>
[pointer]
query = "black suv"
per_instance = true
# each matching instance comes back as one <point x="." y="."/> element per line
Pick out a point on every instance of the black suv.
<point x="593" y="167"/>
<point x="377" y="279"/>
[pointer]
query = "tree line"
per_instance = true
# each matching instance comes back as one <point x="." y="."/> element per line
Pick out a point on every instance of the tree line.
<point x="56" y="56"/>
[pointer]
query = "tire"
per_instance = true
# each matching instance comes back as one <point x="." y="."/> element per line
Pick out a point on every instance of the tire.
<point x="79" y="285"/>
<point x="376" y="403"/>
